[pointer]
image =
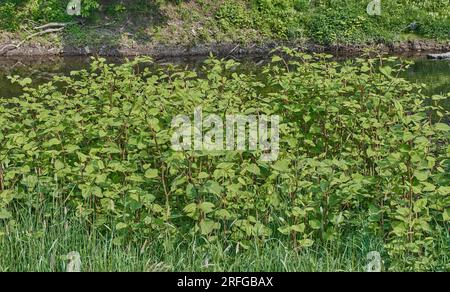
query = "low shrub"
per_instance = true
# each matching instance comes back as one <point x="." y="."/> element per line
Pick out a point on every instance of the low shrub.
<point x="8" y="16"/>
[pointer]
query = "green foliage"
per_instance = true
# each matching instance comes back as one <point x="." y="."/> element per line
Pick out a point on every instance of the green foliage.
<point x="330" y="22"/>
<point x="7" y="15"/>
<point x="322" y="21"/>
<point x="48" y="10"/>
<point x="359" y="151"/>
<point x="277" y="19"/>
<point x="233" y="15"/>
<point x="15" y="13"/>
<point x="345" y="23"/>
<point x="348" y="21"/>
<point x="88" y="6"/>
<point x="38" y="242"/>
<point x="436" y="27"/>
<point x="20" y="12"/>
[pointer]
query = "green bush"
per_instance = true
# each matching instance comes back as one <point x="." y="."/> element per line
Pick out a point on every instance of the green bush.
<point x="277" y="19"/>
<point x="348" y="21"/>
<point x="233" y="15"/>
<point x="48" y="10"/>
<point x="345" y="22"/>
<point x="9" y="20"/>
<point x="359" y="151"/>
<point x="15" y="12"/>
<point x="330" y="22"/>
<point x="301" y="5"/>
<point x="435" y="27"/>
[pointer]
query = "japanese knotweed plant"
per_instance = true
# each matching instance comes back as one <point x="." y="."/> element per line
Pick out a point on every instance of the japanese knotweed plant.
<point x="360" y="149"/>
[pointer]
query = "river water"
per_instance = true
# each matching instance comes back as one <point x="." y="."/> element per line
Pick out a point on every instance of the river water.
<point x="435" y="74"/>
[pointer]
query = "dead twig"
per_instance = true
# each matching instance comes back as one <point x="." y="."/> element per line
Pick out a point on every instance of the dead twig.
<point x="232" y="51"/>
<point x="10" y="47"/>
<point x="53" y="25"/>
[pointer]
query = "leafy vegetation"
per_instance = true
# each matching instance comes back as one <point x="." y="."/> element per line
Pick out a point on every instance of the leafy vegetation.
<point x="39" y="242"/>
<point x="323" y="21"/>
<point x="361" y="149"/>
<point x="22" y="12"/>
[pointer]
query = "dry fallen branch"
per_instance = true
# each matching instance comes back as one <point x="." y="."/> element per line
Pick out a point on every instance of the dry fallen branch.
<point x="51" y="28"/>
<point x="53" y="25"/>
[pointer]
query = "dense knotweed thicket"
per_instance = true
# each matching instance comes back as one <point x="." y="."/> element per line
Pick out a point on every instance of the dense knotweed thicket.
<point x="361" y="150"/>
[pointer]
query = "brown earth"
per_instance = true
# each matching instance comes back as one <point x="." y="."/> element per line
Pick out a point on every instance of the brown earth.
<point x="156" y="50"/>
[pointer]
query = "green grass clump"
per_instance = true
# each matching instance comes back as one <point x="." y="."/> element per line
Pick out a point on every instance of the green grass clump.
<point x="38" y="241"/>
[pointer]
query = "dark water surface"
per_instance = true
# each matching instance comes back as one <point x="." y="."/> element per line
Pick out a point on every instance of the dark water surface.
<point x="435" y="74"/>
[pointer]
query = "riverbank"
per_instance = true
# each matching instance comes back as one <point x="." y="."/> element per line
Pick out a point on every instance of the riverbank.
<point x="48" y="47"/>
<point x="235" y="27"/>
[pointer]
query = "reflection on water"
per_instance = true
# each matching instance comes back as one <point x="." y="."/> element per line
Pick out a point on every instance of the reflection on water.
<point x="38" y="69"/>
<point x="435" y="74"/>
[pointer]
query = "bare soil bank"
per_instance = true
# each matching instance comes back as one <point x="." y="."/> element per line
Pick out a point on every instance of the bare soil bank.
<point x="220" y="49"/>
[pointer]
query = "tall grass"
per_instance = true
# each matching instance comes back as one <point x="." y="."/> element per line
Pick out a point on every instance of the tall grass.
<point x="37" y="242"/>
